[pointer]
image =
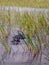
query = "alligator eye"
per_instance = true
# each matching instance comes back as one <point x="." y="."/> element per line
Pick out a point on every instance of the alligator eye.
<point x="21" y="35"/>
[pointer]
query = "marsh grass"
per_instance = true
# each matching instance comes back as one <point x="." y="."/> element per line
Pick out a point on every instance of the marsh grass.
<point x="34" y="25"/>
<point x="25" y="3"/>
<point x="4" y="31"/>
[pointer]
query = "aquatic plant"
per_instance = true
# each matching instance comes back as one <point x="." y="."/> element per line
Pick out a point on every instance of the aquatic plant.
<point x="35" y="25"/>
<point x="5" y="32"/>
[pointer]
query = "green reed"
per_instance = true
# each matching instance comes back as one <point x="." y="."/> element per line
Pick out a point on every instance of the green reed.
<point x="34" y="24"/>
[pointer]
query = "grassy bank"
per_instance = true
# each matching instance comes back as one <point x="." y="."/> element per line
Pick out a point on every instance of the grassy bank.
<point x="35" y="25"/>
<point x="26" y="3"/>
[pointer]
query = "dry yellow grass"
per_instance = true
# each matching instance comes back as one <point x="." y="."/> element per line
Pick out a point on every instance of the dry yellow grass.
<point x="24" y="3"/>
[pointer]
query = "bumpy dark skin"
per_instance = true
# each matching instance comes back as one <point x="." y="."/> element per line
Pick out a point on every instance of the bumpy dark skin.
<point x="16" y="38"/>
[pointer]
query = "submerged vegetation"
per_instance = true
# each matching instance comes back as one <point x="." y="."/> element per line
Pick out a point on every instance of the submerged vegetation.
<point x="35" y="25"/>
